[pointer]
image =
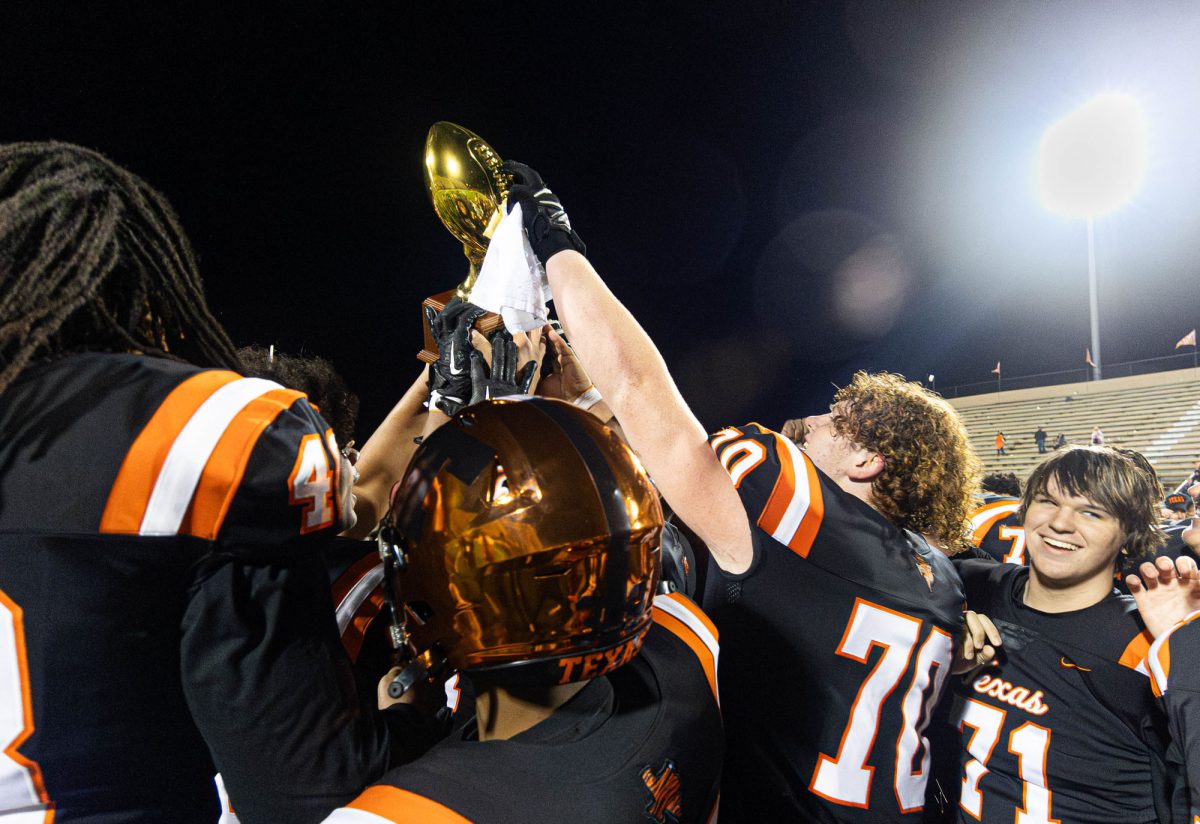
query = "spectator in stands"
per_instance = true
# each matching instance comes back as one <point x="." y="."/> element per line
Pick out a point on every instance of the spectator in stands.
<point x="1002" y="483"/>
<point x="1097" y="436"/>
<point x="1039" y="438"/>
<point x="1060" y="441"/>
<point x="999" y="443"/>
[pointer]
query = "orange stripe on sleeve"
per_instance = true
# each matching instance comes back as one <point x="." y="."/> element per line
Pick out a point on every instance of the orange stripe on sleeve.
<point x="802" y="541"/>
<point x="1135" y="650"/>
<point x="356" y="630"/>
<point x="225" y="467"/>
<point x="676" y="627"/>
<point x="691" y="607"/>
<point x="781" y="495"/>
<point x="346" y="581"/>
<point x="1164" y="666"/>
<point x="130" y="494"/>
<point x="400" y="805"/>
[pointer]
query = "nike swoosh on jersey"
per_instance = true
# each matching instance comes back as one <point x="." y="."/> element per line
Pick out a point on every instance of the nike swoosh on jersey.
<point x="1068" y="665"/>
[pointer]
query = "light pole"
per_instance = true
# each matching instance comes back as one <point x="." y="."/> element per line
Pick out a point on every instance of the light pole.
<point x="1089" y="164"/>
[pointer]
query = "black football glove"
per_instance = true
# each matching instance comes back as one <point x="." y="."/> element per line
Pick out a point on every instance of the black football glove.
<point x="545" y="220"/>
<point x="450" y="374"/>
<point x="503" y="378"/>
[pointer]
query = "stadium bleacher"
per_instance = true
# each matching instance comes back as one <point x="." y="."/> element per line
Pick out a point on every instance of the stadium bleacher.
<point x="1156" y="414"/>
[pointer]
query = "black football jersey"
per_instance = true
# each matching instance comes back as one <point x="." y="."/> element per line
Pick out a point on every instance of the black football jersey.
<point x="836" y="645"/>
<point x="642" y="743"/>
<point x="1174" y="662"/>
<point x="1053" y="733"/>
<point x="163" y="602"/>
<point x="996" y="528"/>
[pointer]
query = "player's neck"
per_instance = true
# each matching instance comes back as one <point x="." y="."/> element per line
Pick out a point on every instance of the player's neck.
<point x="1051" y="596"/>
<point x="859" y="489"/>
<point x="502" y="712"/>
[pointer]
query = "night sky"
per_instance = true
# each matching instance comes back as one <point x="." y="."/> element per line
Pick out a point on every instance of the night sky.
<point x="780" y="192"/>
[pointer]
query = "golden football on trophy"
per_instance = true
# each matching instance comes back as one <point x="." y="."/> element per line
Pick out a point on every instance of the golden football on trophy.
<point x="467" y="189"/>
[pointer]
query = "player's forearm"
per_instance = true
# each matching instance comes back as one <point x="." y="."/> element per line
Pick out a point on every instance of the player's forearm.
<point x="630" y="373"/>
<point x="386" y="453"/>
<point x="618" y="355"/>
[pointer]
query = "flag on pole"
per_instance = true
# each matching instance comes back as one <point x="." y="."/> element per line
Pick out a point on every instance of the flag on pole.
<point x="1087" y="357"/>
<point x="1187" y="340"/>
<point x="996" y="371"/>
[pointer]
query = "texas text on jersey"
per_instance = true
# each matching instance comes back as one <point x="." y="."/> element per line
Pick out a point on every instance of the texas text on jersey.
<point x="1174" y="661"/>
<point x="159" y="559"/>
<point x="642" y="743"/>
<point x="837" y="644"/>
<point x="1055" y="731"/>
<point x="996" y="528"/>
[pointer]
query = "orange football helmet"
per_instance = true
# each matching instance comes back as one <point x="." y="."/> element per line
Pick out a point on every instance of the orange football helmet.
<point x="526" y="541"/>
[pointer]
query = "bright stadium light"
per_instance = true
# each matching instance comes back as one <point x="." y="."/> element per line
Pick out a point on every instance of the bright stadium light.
<point x="1094" y="159"/>
<point x="1089" y="164"/>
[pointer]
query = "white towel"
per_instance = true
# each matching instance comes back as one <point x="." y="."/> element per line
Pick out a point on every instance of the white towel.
<point x="511" y="281"/>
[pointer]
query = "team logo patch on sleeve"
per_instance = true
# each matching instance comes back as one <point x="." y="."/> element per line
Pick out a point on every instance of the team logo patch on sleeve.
<point x="925" y="569"/>
<point x="666" y="793"/>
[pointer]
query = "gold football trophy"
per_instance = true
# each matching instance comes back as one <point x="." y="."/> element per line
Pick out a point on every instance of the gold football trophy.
<point x="468" y="190"/>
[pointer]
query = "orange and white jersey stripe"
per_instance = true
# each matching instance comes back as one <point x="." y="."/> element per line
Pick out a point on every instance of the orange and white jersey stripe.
<point x="357" y="601"/>
<point x="382" y="804"/>
<point x="1158" y="659"/>
<point x="986" y="516"/>
<point x="795" y="506"/>
<point x="686" y="621"/>
<point x="184" y="469"/>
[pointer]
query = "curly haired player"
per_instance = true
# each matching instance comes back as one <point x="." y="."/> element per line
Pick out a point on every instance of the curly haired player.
<point x="836" y="615"/>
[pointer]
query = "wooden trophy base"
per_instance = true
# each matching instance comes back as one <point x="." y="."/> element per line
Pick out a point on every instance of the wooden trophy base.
<point x="486" y="325"/>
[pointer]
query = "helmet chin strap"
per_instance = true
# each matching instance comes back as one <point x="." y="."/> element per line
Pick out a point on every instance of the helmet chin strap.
<point x="414" y="667"/>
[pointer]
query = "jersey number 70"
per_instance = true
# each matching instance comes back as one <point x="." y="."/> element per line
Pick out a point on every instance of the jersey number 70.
<point x="845" y="778"/>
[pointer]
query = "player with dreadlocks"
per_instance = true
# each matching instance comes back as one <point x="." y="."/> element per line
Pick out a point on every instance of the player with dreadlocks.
<point x="92" y="258"/>
<point x="164" y="612"/>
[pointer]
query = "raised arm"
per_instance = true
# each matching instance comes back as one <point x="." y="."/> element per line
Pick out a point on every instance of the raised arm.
<point x="631" y="375"/>
<point x="383" y="457"/>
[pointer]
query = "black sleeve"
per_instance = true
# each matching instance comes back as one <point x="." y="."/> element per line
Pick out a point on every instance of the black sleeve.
<point x="981" y="579"/>
<point x="271" y="690"/>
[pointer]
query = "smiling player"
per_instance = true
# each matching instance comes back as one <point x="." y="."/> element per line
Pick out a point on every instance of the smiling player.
<point x="1054" y="732"/>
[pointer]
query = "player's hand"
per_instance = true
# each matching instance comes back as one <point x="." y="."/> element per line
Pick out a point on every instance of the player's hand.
<point x="501" y="377"/>
<point x="1166" y="591"/>
<point x="545" y="220"/>
<point x="450" y="374"/>
<point x="793" y="430"/>
<point x="567" y="379"/>
<point x="976" y="644"/>
<point x="1191" y="535"/>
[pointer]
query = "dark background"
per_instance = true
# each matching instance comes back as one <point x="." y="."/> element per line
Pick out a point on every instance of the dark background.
<point x="781" y="192"/>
